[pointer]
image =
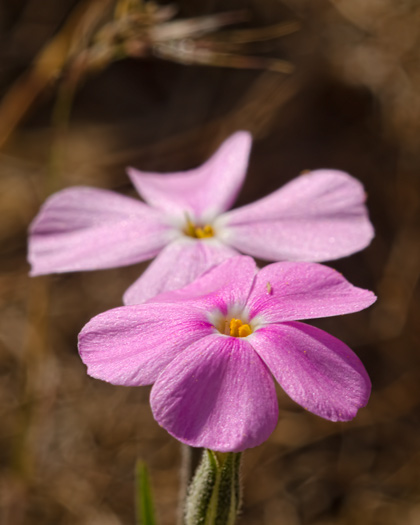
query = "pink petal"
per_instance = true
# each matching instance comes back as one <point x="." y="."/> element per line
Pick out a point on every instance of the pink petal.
<point x="176" y="266"/>
<point x="224" y="285"/>
<point x="316" y="217"/>
<point x="218" y="394"/>
<point x="87" y="229"/>
<point x="131" y="345"/>
<point x="203" y="192"/>
<point x="315" y="369"/>
<point x="288" y="291"/>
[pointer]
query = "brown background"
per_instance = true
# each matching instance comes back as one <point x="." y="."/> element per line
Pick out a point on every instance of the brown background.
<point x="68" y="443"/>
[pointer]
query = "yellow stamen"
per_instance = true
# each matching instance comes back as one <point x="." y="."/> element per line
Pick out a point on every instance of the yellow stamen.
<point x="234" y="327"/>
<point x="204" y="232"/>
<point x="244" y="330"/>
<point x="198" y="232"/>
<point x="238" y="328"/>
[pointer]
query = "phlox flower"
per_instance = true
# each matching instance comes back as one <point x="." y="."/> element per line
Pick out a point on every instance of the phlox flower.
<point x="183" y="222"/>
<point x="211" y="350"/>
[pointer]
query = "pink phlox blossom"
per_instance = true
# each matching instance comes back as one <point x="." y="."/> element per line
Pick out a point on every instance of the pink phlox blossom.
<point x="212" y="348"/>
<point x="183" y="223"/>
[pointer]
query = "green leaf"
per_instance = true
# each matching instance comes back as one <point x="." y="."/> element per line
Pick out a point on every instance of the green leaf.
<point x="145" y="514"/>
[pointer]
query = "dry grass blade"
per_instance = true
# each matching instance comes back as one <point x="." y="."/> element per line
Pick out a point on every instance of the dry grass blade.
<point x="48" y="65"/>
<point x="189" y="53"/>
<point x="193" y="27"/>
<point x="93" y="37"/>
<point x="261" y="34"/>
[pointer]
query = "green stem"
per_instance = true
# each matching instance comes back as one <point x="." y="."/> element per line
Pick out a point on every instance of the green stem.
<point x="214" y="494"/>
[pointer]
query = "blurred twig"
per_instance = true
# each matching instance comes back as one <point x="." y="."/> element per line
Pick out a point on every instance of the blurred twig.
<point x="96" y="35"/>
<point x="47" y="66"/>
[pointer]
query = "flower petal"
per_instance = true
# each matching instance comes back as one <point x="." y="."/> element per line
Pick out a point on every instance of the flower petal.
<point x="315" y="369"/>
<point x="224" y="285"/>
<point x="288" y="291"/>
<point x="218" y="394"/>
<point x="131" y="345"/>
<point x="176" y="266"/>
<point x="316" y="217"/>
<point x="203" y="192"/>
<point x="87" y="229"/>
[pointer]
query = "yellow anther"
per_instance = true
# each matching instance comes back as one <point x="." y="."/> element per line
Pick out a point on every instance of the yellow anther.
<point x="238" y="329"/>
<point x="244" y="330"/>
<point x="205" y="232"/>
<point x="198" y="232"/>
<point x="234" y="327"/>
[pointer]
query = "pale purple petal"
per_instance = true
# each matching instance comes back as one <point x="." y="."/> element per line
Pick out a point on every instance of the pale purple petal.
<point x="87" y="229"/>
<point x="176" y="266"/>
<point x="314" y="368"/>
<point x="319" y="216"/>
<point x="131" y="345"/>
<point x="217" y="394"/>
<point x="226" y="284"/>
<point x="288" y="291"/>
<point x="203" y="192"/>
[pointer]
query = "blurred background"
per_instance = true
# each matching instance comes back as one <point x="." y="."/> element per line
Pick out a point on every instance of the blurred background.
<point x="91" y="87"/>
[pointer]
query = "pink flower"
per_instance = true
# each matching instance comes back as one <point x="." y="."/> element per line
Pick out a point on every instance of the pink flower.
<point x="212" y="348"/>
<point x="316" y="217"/>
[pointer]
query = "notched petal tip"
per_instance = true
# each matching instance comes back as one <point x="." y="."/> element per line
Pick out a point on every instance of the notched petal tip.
<point x="82" y="228"/>
<point x="204" y="191"/>
<point x="242" y="136"/>
<point x="217" y="395"/>
<point x="131" y="345"/>
<point x="370" y="298"/>
<point x="290" y="291"/>
<point x="347" y="411"/>
<point x="316" y="370"/>
<point x="320" y="216"/>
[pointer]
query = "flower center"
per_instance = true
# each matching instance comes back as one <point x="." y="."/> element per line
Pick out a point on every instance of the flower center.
<point x="237" y="328"/>
<point x="198" y="232"/>
<point x="234" y="323"/>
